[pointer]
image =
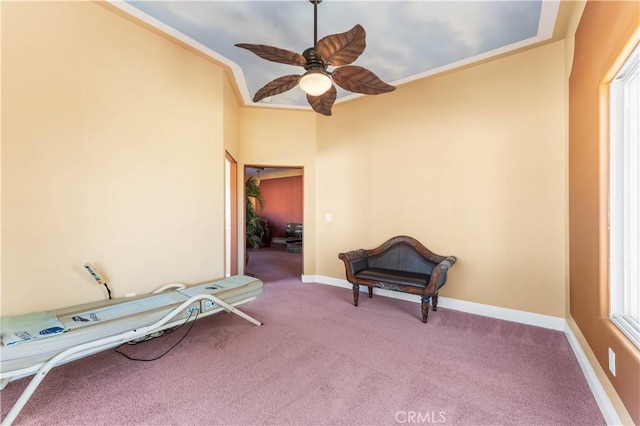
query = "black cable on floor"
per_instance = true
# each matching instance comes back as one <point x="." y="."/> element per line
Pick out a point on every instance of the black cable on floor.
<point x="117" y="350"/>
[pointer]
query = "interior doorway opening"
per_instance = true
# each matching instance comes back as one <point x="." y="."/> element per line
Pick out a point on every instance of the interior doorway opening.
<point x="281" y="236"/>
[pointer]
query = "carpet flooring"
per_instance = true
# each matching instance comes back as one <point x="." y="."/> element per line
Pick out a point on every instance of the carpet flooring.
<point x="318" y="360"/>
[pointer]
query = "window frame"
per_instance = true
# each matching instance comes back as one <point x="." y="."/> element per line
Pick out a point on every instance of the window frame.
<point x="624" y="197"/>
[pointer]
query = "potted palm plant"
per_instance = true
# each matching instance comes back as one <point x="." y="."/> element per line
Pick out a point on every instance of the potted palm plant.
<point x="254" y="227"/>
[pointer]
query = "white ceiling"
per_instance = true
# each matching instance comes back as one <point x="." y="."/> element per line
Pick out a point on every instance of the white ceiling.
<point x="406" y="40"/>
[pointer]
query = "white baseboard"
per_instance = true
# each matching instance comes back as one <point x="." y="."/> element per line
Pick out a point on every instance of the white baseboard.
<point x="530" y="318"/>
<point x="602" y="399"/>
<point x="546" y="321"/>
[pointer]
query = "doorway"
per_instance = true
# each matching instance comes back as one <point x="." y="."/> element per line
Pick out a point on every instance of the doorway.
<point x="281" y="217"/>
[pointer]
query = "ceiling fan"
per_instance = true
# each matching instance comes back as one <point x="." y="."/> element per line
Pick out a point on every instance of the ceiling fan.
<point x="335" y="50"/>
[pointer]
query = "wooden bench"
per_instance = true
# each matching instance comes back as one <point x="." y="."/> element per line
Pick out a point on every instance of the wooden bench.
<point x="400" y="264"/>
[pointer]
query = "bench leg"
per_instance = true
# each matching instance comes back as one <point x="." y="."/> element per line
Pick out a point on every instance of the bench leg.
<point x="425" y="308"/>
<point x="434" y="302"/>
<point x="370" y="292"/>
<point x="356" y="293"/>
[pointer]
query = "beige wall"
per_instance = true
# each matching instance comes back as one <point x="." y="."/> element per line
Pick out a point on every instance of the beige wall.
<point x="230" y="129"/>
<point x="274" y="137"/>
<point x="472" y="163"/>
<point x="230" y="125"/>
<point x="112" y="153"/>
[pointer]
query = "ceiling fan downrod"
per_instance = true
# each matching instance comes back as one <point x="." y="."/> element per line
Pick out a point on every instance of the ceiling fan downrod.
<point x="313" y="61"/>
<point x="315" y="20"/>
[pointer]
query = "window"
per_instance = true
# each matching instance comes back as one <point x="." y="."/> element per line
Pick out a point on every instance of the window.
<point x="624" y="199"/>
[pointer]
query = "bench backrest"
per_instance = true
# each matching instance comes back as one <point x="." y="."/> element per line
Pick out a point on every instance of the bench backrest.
<point x="401" y="257"/>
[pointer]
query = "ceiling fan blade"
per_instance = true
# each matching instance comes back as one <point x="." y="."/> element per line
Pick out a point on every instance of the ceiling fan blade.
<point x="275" y="54"/>
<point x="343" y="48"/>
<point x="277" y="86"/>
<point x="360" y="80"/>
<point x="323" y="103"/>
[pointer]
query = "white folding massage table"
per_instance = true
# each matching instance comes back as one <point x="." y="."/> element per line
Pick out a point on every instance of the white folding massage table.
<point x="90" y="328"/>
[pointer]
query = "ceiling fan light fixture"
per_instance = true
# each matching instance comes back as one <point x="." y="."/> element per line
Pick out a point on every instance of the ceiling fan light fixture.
<point x="315" y="82"/>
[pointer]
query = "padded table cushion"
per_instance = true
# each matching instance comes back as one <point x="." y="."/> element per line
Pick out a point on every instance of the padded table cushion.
<point x="95" y="320"/>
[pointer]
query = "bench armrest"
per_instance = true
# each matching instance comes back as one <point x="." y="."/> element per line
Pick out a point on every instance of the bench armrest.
<point x="354" y="262"/>
<point x="439" y="274"/>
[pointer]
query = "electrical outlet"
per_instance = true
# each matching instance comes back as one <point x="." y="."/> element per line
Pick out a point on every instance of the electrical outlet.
<point x="612" y="361"/>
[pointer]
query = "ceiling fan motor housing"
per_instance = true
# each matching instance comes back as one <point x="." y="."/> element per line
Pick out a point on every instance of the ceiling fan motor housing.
<point x="313" y="60"/>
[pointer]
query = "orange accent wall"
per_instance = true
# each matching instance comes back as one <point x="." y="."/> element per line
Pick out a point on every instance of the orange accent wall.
<point x="283" y="202"/>
<point x="603" y="33"/>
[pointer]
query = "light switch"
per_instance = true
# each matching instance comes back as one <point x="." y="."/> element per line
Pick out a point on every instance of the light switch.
<point x="328" y="217"/>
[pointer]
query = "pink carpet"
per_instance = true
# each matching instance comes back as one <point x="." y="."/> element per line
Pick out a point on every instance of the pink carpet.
<point x="318" y="360"/>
